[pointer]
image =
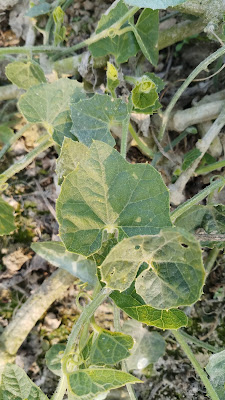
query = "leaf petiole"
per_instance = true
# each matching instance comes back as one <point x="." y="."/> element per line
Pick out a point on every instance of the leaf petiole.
<point x="210" y="390"/>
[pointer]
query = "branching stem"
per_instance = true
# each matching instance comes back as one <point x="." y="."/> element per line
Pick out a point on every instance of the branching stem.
<point x="202" y="66"/>
<point x="218" y="184"/>
<point x="210" y="390"/>
<point x="26" y="160"/>
<point x="14" y="139"/>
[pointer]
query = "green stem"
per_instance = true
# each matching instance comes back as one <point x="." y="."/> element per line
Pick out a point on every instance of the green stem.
<point x="210" y="390"/>
<point x="210" y="167"/>
<point x="105" y="33"/>
<point x="61" y="389"/>
<point x="84" y="317"/>
<point x="213" y="254"/>
<point x="196" y="199"/>
<point x="117" y="326"/>
<point x="199" y="343"/>
<point x="140" y="144"/>
<point x="30" y="49"/>
<point x="123" y="147"/>
<point x="202" y="66"/>
<point x="26" y="160"/>
<point x="14" y="139"/>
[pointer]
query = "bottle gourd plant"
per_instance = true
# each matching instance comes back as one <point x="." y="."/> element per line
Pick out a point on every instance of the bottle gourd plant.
<point x="116" y="230"/>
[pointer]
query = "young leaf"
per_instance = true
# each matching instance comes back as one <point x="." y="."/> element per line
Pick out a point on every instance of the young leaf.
<point x="60" y="31"/>
<point x="175" y="273"/>
<point x="112" y="78"/>
<point x="106" y="193"/>
<point x="146" y="32"/>
<point x="144" y="94"/>
<point x="153" y="4"/>
<point x="25" y="74"/>
<point x="216" y="370"/>
<point x="53" y="358"/>
<point x="88" y="383"/>
<point x="148" y="347"/>
<point x="71" y="154"/>
<point x="56" y="254"/>
<point x="138" y="310"/>
<point x="7" y="220"/>
<point x="48" y="103"/>
<point x="16" y="385"/>
<point x="110" y="348"/>
<point x="92" y="118"/>
<point x="121" y="46"/>
<point x="39" y="9"/>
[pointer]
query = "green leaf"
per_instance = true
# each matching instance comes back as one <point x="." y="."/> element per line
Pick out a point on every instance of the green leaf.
<point x="71" y="154"/>
<point x="155" y="5"/>
<point x="89" y="383"/>
<point x="216" y="370"/>
<point x="17" y="386"/>
<point x="60" y="31"/>
<point x="146" y="32"/>
<point x="110" y="348"/>
<point x="25" y="74"/>
<point x="121" y="46"/>
<point x="48" y="103"/>
<point x="112" y="78"/>
<point x="106" y="193"/>
<point x="175" y="274"/>
<point x="190" y="157"/>
<point x="7" y="220"/>
<point x="40" y="9"/>
<point x="56" y="254"/>
<point x="148" y="347"/>
<point x="209" y="218"/>
<point x="144" y="94"/>
<point x="53" y="358"/>
<point x="133" y="306"/>
<point x="92" y="118"/>
<point x="6" y="133"/>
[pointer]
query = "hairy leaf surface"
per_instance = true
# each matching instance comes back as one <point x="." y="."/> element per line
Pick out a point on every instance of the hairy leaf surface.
<point x="48" y="103"/>
<point x="92" y="118"/>
<point x="110" y="347"/>
<point x="175" y="273"/>
<point x="53" y="358"/>
<point x="146" y="32"/>
<point x="216" y="370"/>
<point x="135" y="307"/>
<point x="106" y="193"/>
<point x="148" y="347"/>
<point x="7" y="220"/>
<point x="72" y="153"/>
<point x="25" y="74"/>
<point x="39" y="9"/>
<point x="16" y="385"/>
<point x="89" y="383"/>
<point x="121" y="46"/>
<point x="56" y="254"/>
<point x="153" y="4"/>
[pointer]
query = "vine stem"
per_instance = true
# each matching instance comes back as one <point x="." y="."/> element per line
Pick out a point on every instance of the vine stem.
<point x="218" y="184"/>
<point x="203" y="65"/>
<point x="140" y="144"/>
<point x="14" y="139"/>
<point x="117" y="326"/>
<point x="199" y="343"/>
<point x="180" y="339"/>
<point x="123" y="147"/>
<point x="83" y="318"/>
<point x="26" y="160"/>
